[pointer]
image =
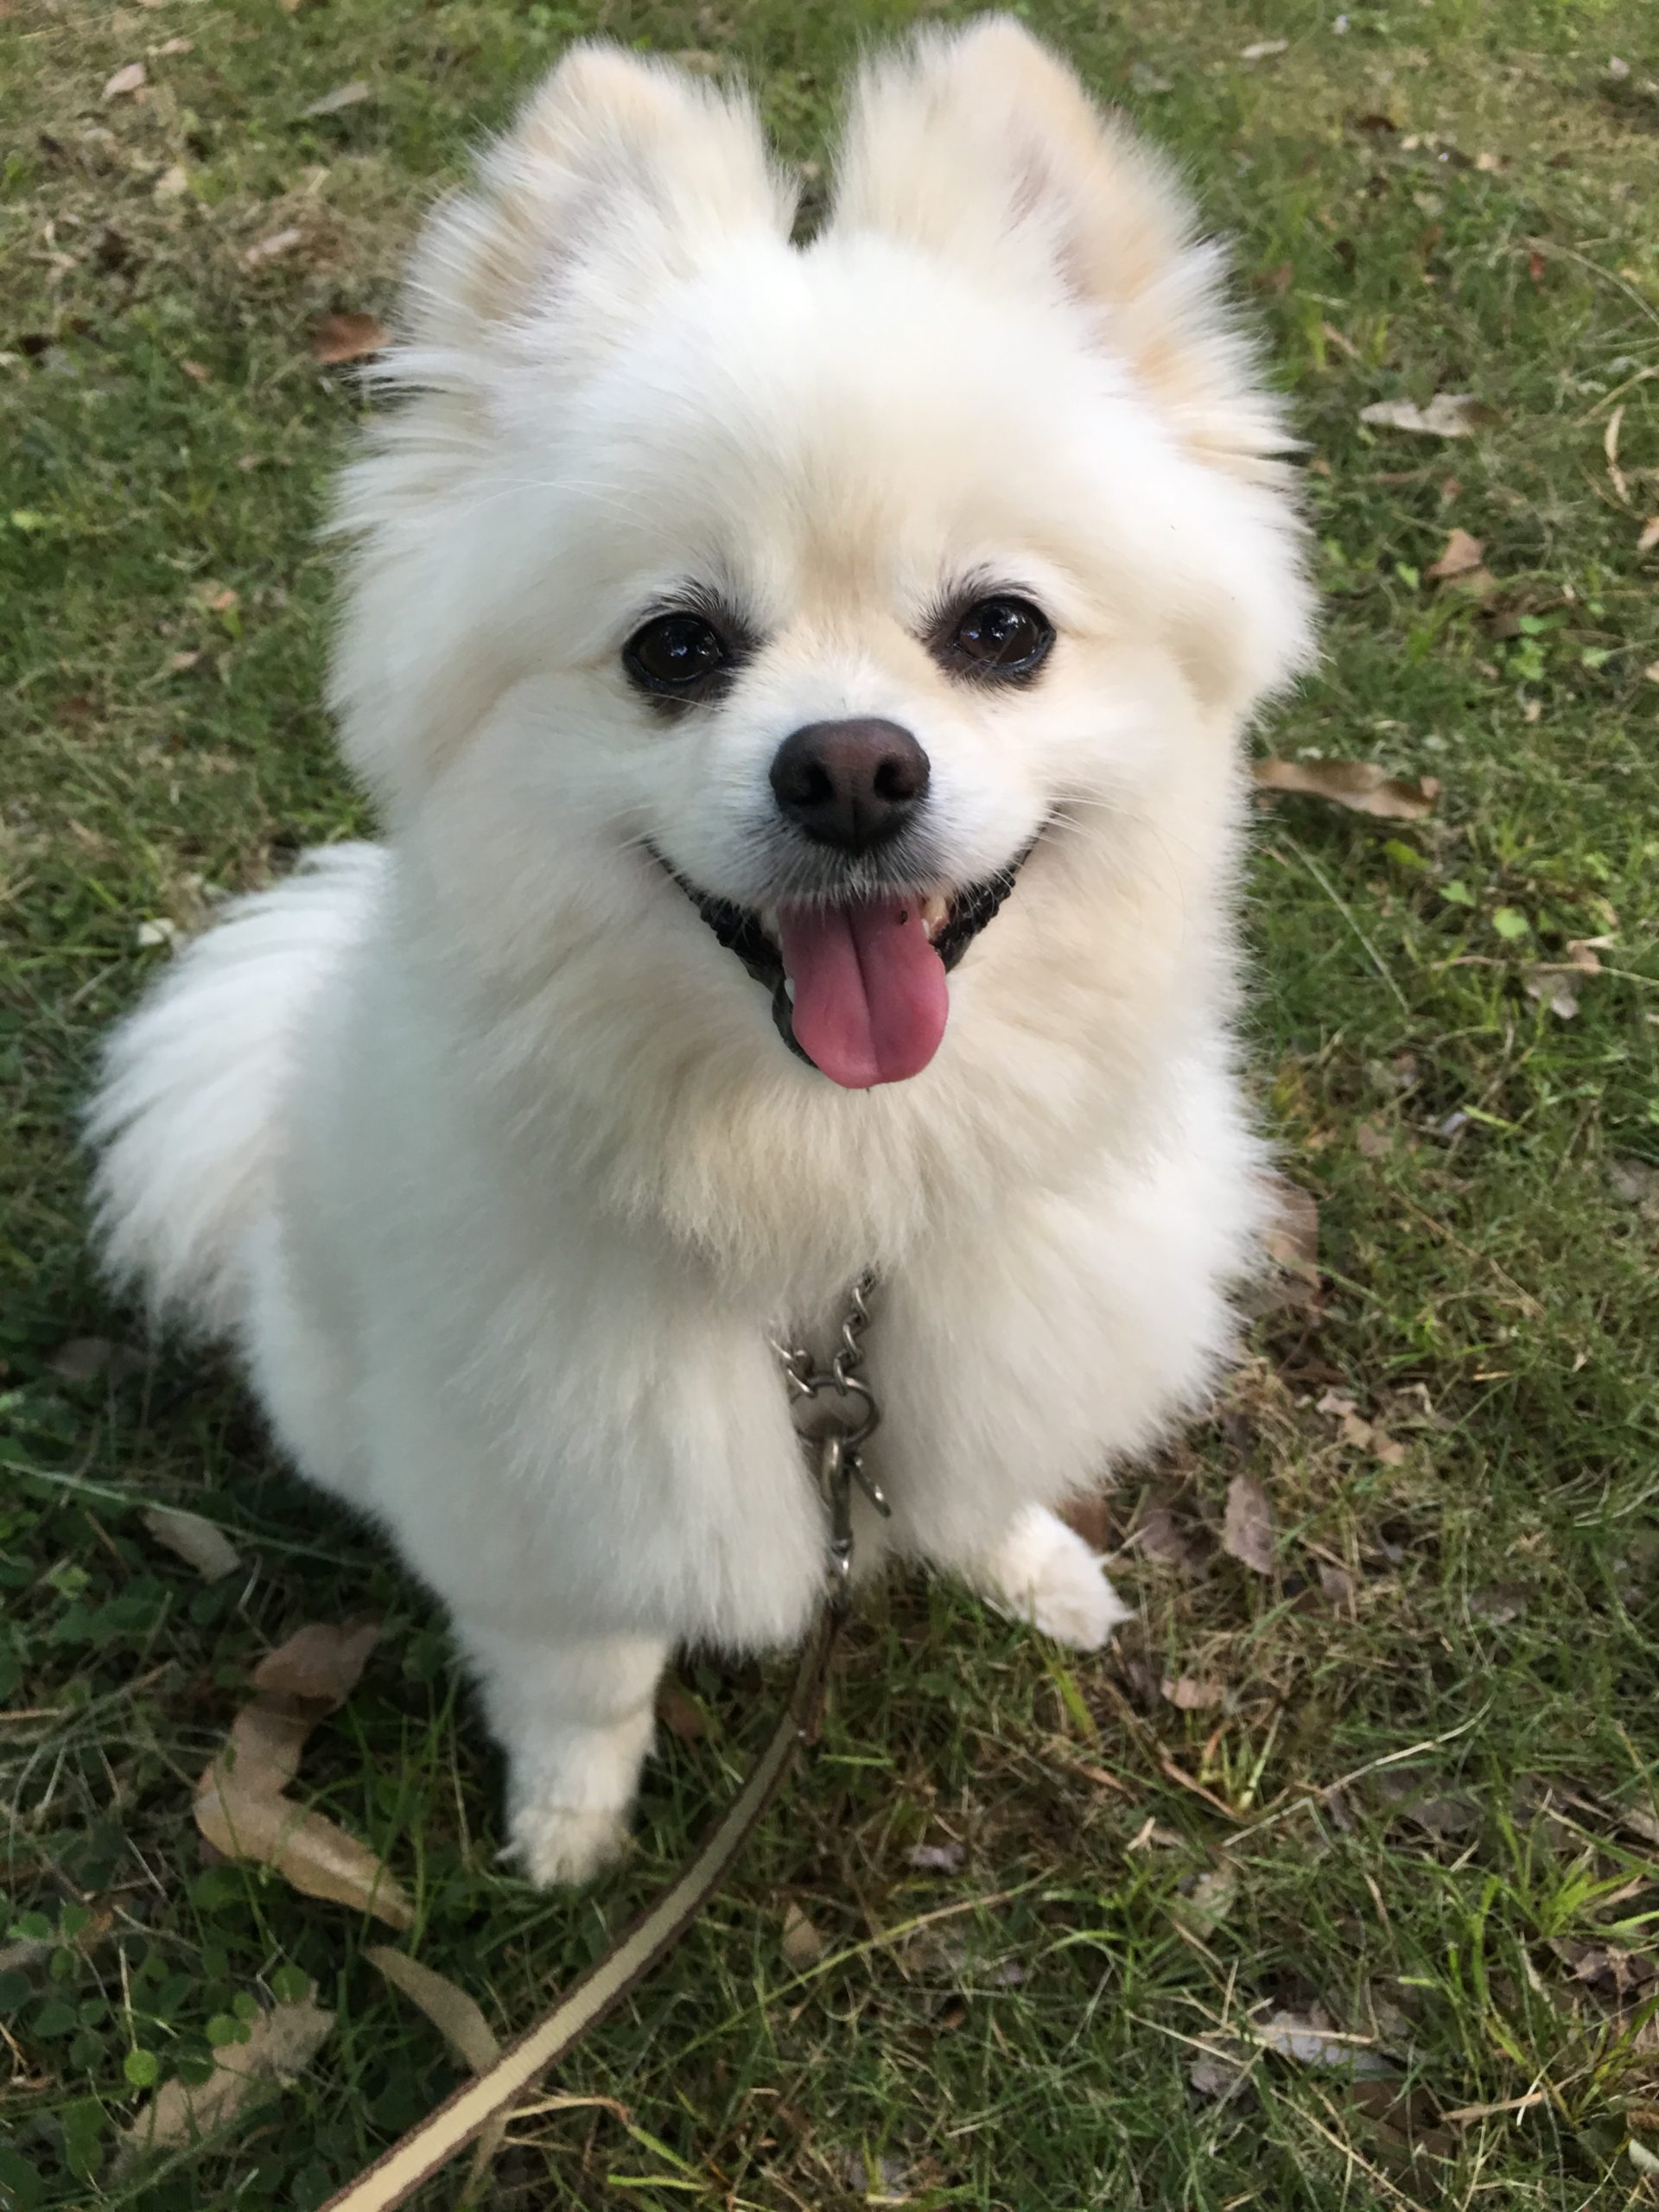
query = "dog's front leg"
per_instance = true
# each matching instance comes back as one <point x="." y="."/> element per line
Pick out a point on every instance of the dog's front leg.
<point x="573" y="1715"/>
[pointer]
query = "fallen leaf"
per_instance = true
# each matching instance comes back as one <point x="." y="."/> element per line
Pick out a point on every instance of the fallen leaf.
<point x="680" y="1714"/>
<point x="219" y="599"/>
<point x="1463" y="555"/>
<point x="1247" y="1529"/>
<point x="176" y="45"/>
<point x="803" y="1945"/>
<point x="177" y="663"/>
<point x="261" y="1755"/>
<point x="157" y="931"/>
<point x="1262" y="48"/>
<point x="884" y="2179"/>
<point x="340" y="338"/>
<point x="172" y="184"/>
<point x="1089" y="1518"/>
<point x="320" y="1662"/>
<point x="318" y="1858"/>
<point x="1354" y="783"/>
<point x="1299" y="2036"/>
<point x="1210" y="1898"/>
<point x="343" y="96"/>
<point x="1291" y="1236"/>
<point x="129" y="78"/>
<point x="272" y="248"/>
<point x="1448" y="415"/>
<point x="454" y="2014"/>
<point x="1216" y="2077"/>
<point x="1650" y="535"/>
<point x="1489" y="163"/>
<point x="1636" y="1181"/>
<point x="281" y="2045"/>
<point x="1191" y="1693"/>
<point x="201" y="1543"/>
<point x="196" y="372"/>
<point x="934" y="1858"/>
<point x="1552" y="989"/>
<point x="461" y="2024"/>
<point x="1651" y="672"/>
<point x="1500" y="1605"/>
<point x="1162" y="1538"/>
<point x="1387" y="1449"/>
<point x="1373" y="1142"/>
<point x="95" y="1359"/>
<point x="1336" y="1585"/>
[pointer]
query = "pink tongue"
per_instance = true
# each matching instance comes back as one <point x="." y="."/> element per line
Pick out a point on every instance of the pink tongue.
<point x="871" y="996"/>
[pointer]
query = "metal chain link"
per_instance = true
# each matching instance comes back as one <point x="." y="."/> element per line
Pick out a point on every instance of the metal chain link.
<point x="839" y="1448"/>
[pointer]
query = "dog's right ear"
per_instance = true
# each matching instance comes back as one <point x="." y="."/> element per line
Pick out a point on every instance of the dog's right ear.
<point x="618" y="176"/>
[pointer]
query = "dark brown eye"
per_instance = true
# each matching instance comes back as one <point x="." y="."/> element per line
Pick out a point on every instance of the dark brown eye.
<point x="1004" y="639"/>
<point x="678" y="655"/>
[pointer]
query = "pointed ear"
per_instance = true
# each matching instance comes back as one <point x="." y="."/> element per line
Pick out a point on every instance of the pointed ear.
<point x="619" y="175"/>
<point x="981" y="145"/>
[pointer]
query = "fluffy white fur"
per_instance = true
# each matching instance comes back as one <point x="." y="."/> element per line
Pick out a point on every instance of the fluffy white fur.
<point x="483" y="1149"/>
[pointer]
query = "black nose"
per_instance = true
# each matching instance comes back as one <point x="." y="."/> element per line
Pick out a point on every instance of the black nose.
<point x="851" y="783"/>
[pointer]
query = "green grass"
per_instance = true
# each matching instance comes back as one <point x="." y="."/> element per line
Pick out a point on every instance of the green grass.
<point x="1463" y="1635"/>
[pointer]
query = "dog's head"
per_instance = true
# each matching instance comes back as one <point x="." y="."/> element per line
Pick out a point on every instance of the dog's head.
<point x="808" y="597"/>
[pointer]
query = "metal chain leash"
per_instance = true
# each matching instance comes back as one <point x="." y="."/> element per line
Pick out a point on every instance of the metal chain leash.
<point x="839" y="1432"/>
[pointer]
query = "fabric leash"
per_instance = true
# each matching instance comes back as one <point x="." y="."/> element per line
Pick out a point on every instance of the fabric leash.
<point x="836" y="1414"/>
<point x="433" y="2141"/>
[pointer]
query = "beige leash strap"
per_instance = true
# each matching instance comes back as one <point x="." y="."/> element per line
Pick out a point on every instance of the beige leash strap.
<point x="431" y="2144"/>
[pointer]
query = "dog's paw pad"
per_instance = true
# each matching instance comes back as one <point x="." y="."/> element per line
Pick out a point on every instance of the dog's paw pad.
<point x="553" y="1844"/>
<point x="1045" y="1573"/>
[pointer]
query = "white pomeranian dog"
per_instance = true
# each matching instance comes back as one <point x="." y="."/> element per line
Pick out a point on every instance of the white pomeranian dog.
<point x="802" y="684"/>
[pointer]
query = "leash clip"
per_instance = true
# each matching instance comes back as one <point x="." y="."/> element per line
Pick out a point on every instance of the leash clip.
<point x="841" y="1430"/>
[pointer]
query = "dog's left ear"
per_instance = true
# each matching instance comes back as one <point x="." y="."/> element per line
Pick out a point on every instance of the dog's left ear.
<point x="980" y="145"/>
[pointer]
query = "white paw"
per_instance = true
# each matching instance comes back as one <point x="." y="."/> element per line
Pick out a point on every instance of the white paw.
<point x="564" y="1843"/>
<point x="1042" y="1572"/>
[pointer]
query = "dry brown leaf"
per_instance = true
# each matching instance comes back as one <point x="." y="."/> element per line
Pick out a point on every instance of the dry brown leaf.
<point x="343" y="96"/>
<point x="1160" y="1537"/>
<point x="1448" y="415"/>
<point x="320" y="1859"/>
<point x="282" y="2042"/>
<point x="454" y="2014"/>
<point x="198" y="1542"/>
<point x="1650" y="535"/>
<point x="803" y="1945"/>
<point x="1373" y="1140"/>
<point x="1336" y="1585"/>
<point x="261" y="1754"/>
<point x="1190" y="1693"/>
<point x="1462" y="557"/>
<point x="321" y="1663"/>
<point x="1554" y="989"/>
<point x="196" y="372"/>
<point x="341" y="338"/>
<point x="131" y="78"/>
<point x="1089" y="1518"/>
<point x="1355" y="784"/>
<point x="680" y="1714"/>
<point x="1291" y="1237"/>
<point x="461" y="2024"/>
<point x="1308" y="2040"/>
<point x="172" y="184"/>
<point x="170" y="46"/>
<point x="95" y="1359"/>
<point x="1247" y="1529"/>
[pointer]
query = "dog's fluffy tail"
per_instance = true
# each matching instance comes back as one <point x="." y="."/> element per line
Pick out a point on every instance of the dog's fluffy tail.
<point x="188" y="1113"/>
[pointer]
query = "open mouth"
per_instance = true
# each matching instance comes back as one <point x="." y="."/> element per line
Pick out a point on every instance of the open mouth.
<point x="858" y="988"/>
